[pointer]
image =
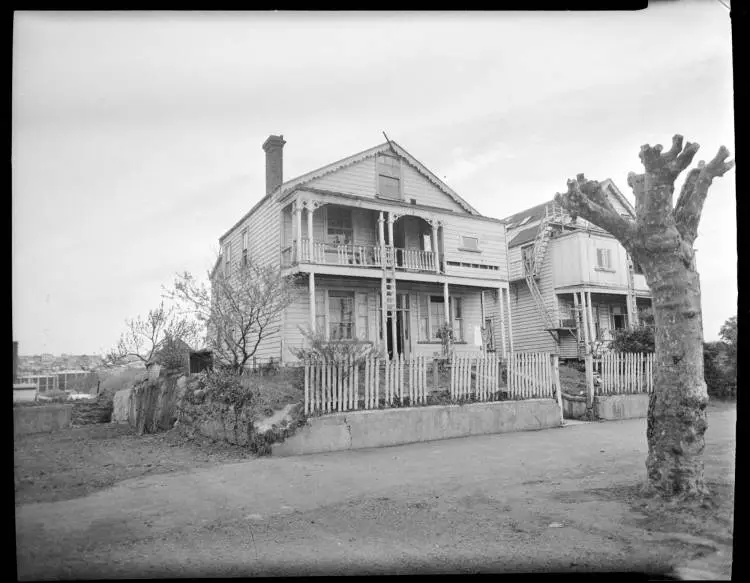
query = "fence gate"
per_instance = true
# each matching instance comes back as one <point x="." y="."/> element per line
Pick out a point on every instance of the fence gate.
<point x="617" y="373"/>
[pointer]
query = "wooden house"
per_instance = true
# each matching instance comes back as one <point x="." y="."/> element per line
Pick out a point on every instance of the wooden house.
<point x="571" y="283"/>
<point x="386" y="251"/>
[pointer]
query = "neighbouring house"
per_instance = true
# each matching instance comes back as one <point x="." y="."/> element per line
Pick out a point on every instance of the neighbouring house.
<point x="571" y="282"/>
<point x="385" y="251"/>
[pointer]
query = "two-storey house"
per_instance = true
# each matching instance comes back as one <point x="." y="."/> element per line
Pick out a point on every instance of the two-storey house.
<point x="386" y="251"/>
<point x="571" y="282"/>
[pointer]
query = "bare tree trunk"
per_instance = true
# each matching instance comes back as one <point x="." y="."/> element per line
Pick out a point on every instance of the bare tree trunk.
<point x="677" y="408"/>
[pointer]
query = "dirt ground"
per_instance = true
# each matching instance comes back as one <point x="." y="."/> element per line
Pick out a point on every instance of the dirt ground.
<point x="78" y="461"/>
<point x="562" y="500"/>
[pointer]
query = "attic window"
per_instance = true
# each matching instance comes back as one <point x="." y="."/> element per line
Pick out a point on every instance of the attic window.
<point x="389" y="177"/>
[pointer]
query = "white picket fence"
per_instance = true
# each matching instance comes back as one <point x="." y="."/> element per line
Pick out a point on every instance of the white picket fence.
<point x="531" y="375"/>
<point x="624" y="373"/>
<point x="474" y="376"/>
<point x="333" y="387"/>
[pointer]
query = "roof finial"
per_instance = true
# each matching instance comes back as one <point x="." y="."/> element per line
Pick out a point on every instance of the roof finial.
<point x="387" y="139"/>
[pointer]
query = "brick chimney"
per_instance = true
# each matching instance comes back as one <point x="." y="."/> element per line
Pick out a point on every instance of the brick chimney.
<point x="274" y="147"/>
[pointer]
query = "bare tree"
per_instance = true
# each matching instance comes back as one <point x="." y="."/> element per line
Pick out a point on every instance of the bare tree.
<point x="145" y="337"/>
<point x="661" y="240"/>
<point x="238" y="310"/>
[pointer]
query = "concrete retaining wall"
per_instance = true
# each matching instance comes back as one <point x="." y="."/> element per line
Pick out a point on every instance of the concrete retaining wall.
<point x="613" y="407"/>
<point x="574" y="407"/>
<point x="363" y="429"/>
<point x="41" y="419"/>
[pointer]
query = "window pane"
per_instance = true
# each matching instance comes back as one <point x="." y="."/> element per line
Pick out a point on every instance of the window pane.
<point x="388" y="187"/>
<point x="341" y="314"/>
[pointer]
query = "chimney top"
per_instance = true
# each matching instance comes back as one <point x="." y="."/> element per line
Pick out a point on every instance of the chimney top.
<point x="274" y="148"/>
<point x="274" y="142"/>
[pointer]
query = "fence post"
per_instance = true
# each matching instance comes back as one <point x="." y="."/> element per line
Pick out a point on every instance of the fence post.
<point x="307" y="388"/>
<point x="557" y="386"/>
<point x="589" y="381"/>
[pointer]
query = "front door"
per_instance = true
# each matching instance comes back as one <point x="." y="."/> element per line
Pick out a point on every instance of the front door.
<point x="403" y="336"/>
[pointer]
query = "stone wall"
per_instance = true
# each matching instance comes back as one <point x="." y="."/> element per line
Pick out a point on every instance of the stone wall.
<point x="44" y="418"/>
<point x="92" y="412"/>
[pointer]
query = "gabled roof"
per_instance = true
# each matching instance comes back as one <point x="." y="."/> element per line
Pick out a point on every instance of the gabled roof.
<point x="385" y="147"/>
<point x="524" y="236"/>
<point x="535" y="213"/>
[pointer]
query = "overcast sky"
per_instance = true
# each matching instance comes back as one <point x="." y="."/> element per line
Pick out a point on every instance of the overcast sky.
<point x="137" y="136"/>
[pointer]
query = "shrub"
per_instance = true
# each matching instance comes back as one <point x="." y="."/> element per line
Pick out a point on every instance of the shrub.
<point x="640" y="339"/>
<point x="445" y="333"/>
<point x="720" y="369"/>
<point x="335" y="350"/>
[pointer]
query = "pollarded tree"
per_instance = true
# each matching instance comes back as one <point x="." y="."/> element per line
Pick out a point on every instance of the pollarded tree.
<point x="661" y="241"/>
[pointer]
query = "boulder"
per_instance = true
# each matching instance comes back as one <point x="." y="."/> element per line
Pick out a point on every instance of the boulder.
<point x="121" y="406"/>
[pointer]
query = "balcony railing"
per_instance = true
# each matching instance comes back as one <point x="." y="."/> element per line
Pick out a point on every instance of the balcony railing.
<point x="357" y="256"/>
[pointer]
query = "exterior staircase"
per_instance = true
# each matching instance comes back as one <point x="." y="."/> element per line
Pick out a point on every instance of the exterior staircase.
<point x="553" y="215"/>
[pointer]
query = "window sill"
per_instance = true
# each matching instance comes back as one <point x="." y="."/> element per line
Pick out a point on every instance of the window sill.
<point x="439" y="342"/>
<point x="605" y="269"/>
<point x="469" y="250"/>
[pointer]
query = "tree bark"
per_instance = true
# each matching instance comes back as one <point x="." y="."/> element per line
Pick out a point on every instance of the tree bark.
<point x="677" y="408"/>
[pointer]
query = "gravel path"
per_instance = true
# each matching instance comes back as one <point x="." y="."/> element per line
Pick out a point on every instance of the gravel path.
<point x="562" y="499"/>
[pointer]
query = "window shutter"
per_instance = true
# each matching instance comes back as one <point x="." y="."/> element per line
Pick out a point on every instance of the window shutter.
<point x="360" y="325"/>
<point x="320" y="311"/>
<point x="374" y="317"/>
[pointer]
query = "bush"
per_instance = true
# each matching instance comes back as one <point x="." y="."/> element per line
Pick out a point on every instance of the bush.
<point x="720" y="369"/>
<point x="640" y="339"/>
<point x="335" y="350"/>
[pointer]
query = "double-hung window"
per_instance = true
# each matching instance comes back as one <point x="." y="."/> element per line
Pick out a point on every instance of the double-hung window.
<point x="340" y="231"/>
<point x="604" y="258"/>
<point x="437" y="315"/>
<point x="458" y="319"/>
<point x="389" y="177"/>
<point x="341" y="315"/>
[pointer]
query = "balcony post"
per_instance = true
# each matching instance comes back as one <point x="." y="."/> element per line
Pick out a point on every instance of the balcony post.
<point x="390" y="228"/>
<point x="310" y="248"/>
<point x="381" y="238"/>
<point x="590" y="307"/>
<point x="585" y="322"/>
<point x="297" y="227"/>
<point x="434" y="240"/>
<point x="446" y="307"/>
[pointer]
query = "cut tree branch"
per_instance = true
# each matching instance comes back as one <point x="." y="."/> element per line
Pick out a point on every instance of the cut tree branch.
<point x="689" y="205"/>
<point x="638" y="183"/>
<point x="586" y="198"/>
<point x="668" y="166"/>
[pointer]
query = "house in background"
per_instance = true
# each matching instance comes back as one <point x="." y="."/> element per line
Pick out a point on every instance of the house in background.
<point x="388" y="253"/>
<point x="571" y="282"/>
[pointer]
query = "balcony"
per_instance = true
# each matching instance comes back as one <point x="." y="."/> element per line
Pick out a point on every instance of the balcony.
<point x="322" y="253"/>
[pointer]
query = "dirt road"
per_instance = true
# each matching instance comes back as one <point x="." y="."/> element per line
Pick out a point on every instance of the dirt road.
<point x="560" y="499"/>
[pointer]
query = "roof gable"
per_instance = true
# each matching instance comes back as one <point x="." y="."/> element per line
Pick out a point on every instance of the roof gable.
<point x="387" y="147"/>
